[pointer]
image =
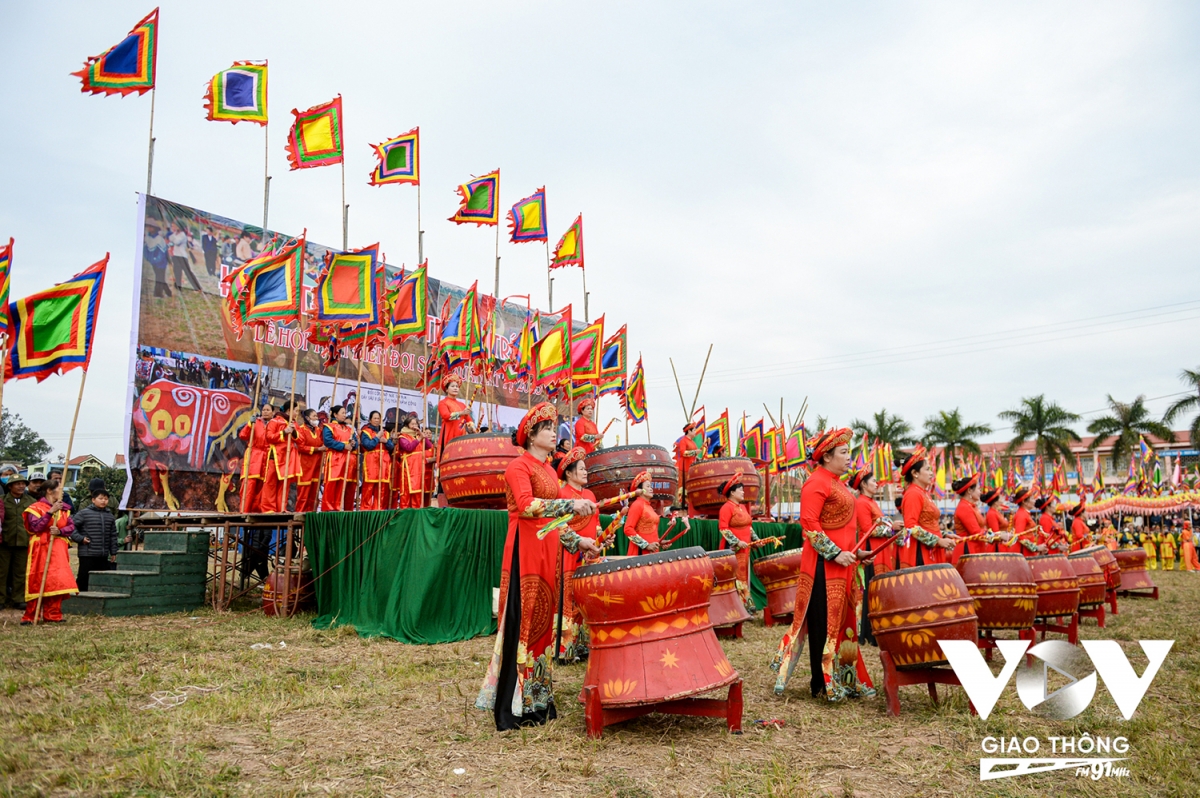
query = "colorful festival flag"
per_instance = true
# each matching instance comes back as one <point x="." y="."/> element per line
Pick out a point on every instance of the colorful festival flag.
<point x="51" y="331"/>
<point x="614" y="359"/>
<point x="127" y="67"/>
<point x="399" y="159"/>
<point x="569" y="251"/>
<point x="346" y="288"/>
<point x="461" y="334"/>
<point x="238" y="94"/>
<point x="480" y="201"/>
<point x="270" y="287"/>
<point x="316" y="136"/>
<point x="751" y="443"/>
<point x="716" y="435"/>
<point x="530" y="334"/>
<point x="795" y="449"/>
<point x="5" y="281"/>
<point x="527" y="219"/>
<point x="552" y="354"/>
<point x="586" y="351"/>
<point x="611" y="386"/>
<point x="634" y="398"/>
<point x="409" y="305"/>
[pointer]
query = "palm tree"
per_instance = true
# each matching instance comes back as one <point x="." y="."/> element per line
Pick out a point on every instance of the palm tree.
<point x="889" y="428"/>
<point x="1187" y="404"/>
<point x="1046" y="423"/>
<point x="1124" y="425"/>
<point x="949" y="431"/>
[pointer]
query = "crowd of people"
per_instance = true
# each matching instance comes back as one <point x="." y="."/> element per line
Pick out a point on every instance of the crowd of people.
<point x="38" y="521"/>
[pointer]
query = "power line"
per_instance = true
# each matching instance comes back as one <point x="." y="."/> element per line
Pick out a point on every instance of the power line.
<point x="1011" y="335"/>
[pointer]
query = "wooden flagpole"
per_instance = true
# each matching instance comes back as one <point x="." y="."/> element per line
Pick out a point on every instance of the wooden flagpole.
<point x="150" y="156"/>
<point x="3" y="368"/>
<point x="583" y="273"/>
<point x="37" y="612"/>
<point x="497" y="287"/>
<point x="420" y="232"/>
<point x="703" y="371"/>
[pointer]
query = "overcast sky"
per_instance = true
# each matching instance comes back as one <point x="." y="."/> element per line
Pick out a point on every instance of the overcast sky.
<point x="874" y="205"/>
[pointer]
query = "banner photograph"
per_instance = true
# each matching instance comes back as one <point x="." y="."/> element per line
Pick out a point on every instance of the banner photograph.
<point x="194" y="379"/>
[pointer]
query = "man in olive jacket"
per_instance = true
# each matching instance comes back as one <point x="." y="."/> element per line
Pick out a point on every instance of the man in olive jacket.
<point x="96" y="534"/>
<point x="14" y="549"/>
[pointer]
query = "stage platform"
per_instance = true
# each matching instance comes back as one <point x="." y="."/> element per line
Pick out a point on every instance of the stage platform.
<point x="427" y="576"/>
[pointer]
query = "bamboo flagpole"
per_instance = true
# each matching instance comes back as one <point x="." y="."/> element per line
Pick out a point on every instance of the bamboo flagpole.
<point x="37" y="613"/>
<point x="496" y="293"/>
<point x="357" y="423"/>
<point x="703" y="371"/>
<point x="287" y="446"/>
<point x="549" y="279"/>
<point x="345" y="211"/>
<point x="682" y="404"/>
<point x="266" y="178"/>
<point x="253" y="410"/>
<point x="150" y="155"/>
<point x="3" y="368"/>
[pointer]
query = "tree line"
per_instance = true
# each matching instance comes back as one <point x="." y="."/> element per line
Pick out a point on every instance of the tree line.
<point x="1047" y="424"/>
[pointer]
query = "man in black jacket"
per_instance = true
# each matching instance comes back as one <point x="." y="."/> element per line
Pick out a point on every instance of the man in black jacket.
<point x="96" y="534"/>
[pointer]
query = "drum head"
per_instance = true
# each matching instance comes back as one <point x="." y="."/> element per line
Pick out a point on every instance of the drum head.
<point x="657" y="558"/>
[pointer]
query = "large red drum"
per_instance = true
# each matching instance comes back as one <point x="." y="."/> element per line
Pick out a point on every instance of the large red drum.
<point x="296" y="588"/>
<point x="1092" y="586"/>
<point x="611" y="470"/>
<point x="725" y="607"/>
<point x="705" y="477"/>
<point x="472" y="470"/>
<point x="1112" y="569"/>
<point x="911" y="609"/>
<point x="779" y="574"/>
<point x="651" y="636"/>
<point x="1002" y="587"/>
<point x="1058" y="587"/>
<point x="1134" y="575"/>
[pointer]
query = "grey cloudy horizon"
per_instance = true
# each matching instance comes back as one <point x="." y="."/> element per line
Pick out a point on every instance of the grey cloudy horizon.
<point x="917" y="206"/>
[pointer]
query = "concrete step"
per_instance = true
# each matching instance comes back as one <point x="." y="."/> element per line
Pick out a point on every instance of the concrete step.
<point x="165" y="562"/>
<point x="135" y="582"/>
<point x="186" y="542"/>
<point x="90" y="602"/>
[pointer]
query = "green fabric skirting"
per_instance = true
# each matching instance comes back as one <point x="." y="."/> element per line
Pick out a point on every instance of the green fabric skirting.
<point x="426" y="576"/>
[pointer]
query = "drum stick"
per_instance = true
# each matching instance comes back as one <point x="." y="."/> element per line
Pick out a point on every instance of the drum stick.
<point x="764" y="541"/>
<point x="606" y="426"/>
<point x="617" y="499"/>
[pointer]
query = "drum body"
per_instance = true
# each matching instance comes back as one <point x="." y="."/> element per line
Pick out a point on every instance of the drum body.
<point x="651" y="636"/>
<point x="725" y="606"/>
<point x="705" y="477"/>
<point x="611" y="470"/>
<point x="910" y="609"/>
<point x="1092" y="586"/>
<point x="472" y="470"/>
<point x="296" y="585"/>
<point x="1134" y="575"/>
<point x="1058" y="588"/>
<point x="1112" y="570"/>
<point x="779" y="574"/>
<point x="1003" y="589"/>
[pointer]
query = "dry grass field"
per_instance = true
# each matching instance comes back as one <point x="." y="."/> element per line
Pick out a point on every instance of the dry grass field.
<point x="333" y="714"/>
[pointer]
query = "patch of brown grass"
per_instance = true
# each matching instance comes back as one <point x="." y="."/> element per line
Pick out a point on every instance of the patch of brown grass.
<point x="335" y="714"/>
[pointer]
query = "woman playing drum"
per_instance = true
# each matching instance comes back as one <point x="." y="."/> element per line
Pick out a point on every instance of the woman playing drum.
<point x="1024" y="529"/>
<point x="928" y="546"/>
<point x="573" y="471"/>
<point x="968" y="523"/>
<point x="733" y="522"/>
<point x="995" y="521"/>
<point x="587" y="434"/>
<point x="641" y="522"/>
<point x="868" y="518"/>
<point x="827" y="596"/>
<point x="519" y="685"/>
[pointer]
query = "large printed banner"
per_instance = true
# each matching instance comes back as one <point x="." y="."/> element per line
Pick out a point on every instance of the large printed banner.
<point x="192" y="382"/>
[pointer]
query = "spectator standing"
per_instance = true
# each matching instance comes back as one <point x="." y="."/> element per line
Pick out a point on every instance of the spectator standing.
<point x="155" y="253"/>
<point x="180" y="259"/>
<point x="208" y="243"/>
<point x="96" y="534"/>
<point x="14" y="548"/>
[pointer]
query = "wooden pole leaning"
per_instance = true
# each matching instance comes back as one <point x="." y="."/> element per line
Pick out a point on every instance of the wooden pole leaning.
<point x="682" y="404"/>
<point x="703" y="371"/>
<point x="37" y="612"/>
